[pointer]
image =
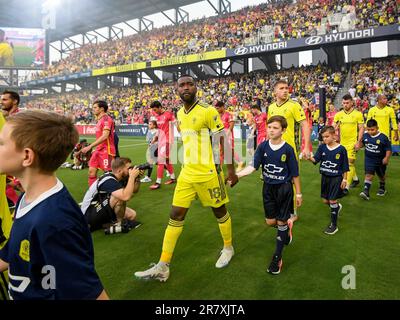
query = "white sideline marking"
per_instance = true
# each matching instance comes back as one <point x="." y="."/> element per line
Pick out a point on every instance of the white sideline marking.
<point x="132" y="145"/>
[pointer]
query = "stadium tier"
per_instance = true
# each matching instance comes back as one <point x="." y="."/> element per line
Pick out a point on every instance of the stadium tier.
<point x="266" y="23"/>
<point x="131" y="104"/>
<point x="239" y="92"/>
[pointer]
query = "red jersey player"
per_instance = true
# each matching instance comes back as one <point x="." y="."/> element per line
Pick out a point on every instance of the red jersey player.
<point x="165" y="121"/>
<point x="105" y="148"/>
<point x="9" y="102"/>
<point x="229" y="122"/>
<point x="260" y="119"/>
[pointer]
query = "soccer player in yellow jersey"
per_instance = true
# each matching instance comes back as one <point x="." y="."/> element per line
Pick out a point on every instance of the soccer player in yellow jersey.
<point x="296" y="118"/>
<point x="350" y="122"/>
<point x="294" y="115"/>
<point x="5" y="216"/>
<point x="384" y="115"/>
<point x="200" y="177"/>
<point x="6" y="52"/>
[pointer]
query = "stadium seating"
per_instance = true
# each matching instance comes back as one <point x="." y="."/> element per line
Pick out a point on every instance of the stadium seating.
<point x="269" y="22"/>
<point x="131" y="105"/>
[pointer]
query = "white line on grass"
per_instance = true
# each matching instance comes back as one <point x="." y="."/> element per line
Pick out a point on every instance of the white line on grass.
<point x="132" y="145"/>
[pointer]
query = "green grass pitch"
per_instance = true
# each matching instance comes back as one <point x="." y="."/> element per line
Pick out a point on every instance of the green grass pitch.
<point x="368" y="240"/>
<point x="23" y="56"/>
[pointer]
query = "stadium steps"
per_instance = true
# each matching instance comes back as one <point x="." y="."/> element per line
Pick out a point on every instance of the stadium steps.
<point x="343" y="90"/>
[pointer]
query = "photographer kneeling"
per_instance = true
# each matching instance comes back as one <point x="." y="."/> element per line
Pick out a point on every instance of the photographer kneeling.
<point x="104" y="204"/>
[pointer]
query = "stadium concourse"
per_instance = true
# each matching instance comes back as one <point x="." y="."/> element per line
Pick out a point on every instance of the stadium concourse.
<point x="356" y="263"/>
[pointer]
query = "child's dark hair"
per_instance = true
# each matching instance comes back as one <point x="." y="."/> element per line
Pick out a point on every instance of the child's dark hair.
<point x="154" y="122"/>
<point x="372" y="123"/>
<point x="279" y="119"/>
<point x="329" y="129"/>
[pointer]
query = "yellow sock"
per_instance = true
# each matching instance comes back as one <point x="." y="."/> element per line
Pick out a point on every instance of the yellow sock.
<point x="351" y="173"/>
<point x="171" y="236"/>
<point x="225" y="227"/>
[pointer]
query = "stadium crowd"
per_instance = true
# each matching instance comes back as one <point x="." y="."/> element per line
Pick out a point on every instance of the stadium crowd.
<point x="239" y="92"/>
<point x="300" y="19"/>
<point x="373" y="77"/>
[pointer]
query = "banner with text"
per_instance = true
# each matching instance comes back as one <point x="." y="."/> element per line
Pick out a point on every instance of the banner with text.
<point x="123" y="130"/>
<point x="374" y="34"/>
<point x="122" y="68"/>
<point x="84" y="130"/>
<point x="211" y="55"/>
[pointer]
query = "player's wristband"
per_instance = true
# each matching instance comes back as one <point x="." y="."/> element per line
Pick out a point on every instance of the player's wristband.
<point x="344" y="180"/>
<point x="299" y="195"/>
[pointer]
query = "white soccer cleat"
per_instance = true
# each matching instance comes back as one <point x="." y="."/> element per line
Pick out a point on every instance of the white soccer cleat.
<point x="145" y="179"/>
<point x="157" y="272"/>
<point x="225" y="257"/>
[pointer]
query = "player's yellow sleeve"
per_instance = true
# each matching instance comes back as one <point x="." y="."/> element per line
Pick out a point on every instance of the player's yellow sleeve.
<point x="5" y="215"/>
<point x="336" y="117"/>
<point x="213" y="120"/>
<point x="393" y="119"/>
<point x="360" y="118"/>
<point x="369" y="115"/>
<point x="298" y="113"/>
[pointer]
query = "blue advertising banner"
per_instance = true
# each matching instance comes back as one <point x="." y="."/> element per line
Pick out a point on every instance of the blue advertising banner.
<point x="132" y="130"/>
<point x="363" y="35"/>
<point x="79" y="75"/>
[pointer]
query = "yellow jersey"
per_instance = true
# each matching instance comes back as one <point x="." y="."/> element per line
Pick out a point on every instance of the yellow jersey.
<point x="197" y="125"/>
<point x="384" y="116"/>
<point x="294" y="114"/>
<point x="5" y="215"/>
<point x="348" y="125"/>
<point x="6" y="55"/>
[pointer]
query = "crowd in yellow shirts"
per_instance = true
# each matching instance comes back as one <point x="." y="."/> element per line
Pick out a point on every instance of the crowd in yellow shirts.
<point x="288" y="21"/>
<point x="131" y="104"/>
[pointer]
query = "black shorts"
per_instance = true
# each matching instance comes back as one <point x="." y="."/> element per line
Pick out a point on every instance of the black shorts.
<point x="380" y="170"/>
<point x="97" y="216"/>
<point x="278" y="201"/>
<point x="330" y="187"/>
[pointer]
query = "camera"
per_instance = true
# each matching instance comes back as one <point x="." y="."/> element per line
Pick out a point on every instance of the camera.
<point x="142" y="167"/>
<point x="124" y="227"/>
<point x="117" y="228"/>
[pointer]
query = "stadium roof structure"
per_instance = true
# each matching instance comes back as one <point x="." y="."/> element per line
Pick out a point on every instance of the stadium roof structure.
<point x="80" y="16"/>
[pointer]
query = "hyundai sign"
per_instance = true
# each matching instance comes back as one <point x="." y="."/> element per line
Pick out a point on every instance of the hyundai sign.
<point x="347" y="37"/>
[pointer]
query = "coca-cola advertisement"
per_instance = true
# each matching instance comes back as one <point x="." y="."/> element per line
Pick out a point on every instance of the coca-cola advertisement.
<point x="86" y="129"/>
